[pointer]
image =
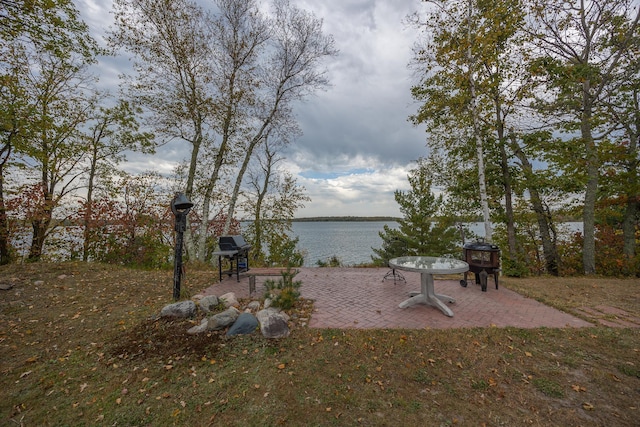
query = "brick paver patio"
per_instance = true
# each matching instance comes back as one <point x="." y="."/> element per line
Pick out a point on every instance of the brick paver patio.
<point x="358" y="298"/>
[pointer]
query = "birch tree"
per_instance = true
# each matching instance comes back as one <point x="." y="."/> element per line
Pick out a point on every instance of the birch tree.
<point x="169" y="41"/>
<point x="241" y="34"/>
<point x="219" y="81"/>
<point x="469" y="79"/>
<point x="291" y="69"/>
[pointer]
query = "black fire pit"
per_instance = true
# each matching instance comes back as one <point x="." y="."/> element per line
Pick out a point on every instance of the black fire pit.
<point x="484" y="260"/>
<point x="234" y="249"/>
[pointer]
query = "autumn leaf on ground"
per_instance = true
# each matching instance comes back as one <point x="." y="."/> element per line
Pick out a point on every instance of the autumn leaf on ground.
<point x="578" y="388"/>
<point x="587" y="406"/>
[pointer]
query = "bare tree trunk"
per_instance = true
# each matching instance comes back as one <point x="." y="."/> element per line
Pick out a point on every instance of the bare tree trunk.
<point x="591" y="190"/>
<point x="508" y="202"/>
<point x="257" y="212"/>
<point x="5" y="256"/>
<point x="39" y="227"/>
<point x="88" y="213"/>
<point x="484" y="203"/>
<point x="506" y="181"/>
<point x="632" y="209"/>
<point x="545" y="223"/>
<point x="200" y="251"/>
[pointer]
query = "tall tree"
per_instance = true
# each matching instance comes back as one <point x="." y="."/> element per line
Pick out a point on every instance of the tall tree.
<point x="470" y="67"/>
<point x="624" y="183"/>
<point x="54" y="146"/>
<point x="290" y="71"/>
<point x="220" y="81"/>
<point x="581" y="46"/>
<point x="30" y="32"/>
<point x="14" y="121"/>
<point x="170" y="44"/>
<point x="241" y="37"/>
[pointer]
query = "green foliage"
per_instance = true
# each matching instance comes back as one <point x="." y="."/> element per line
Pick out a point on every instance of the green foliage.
<point x="283" y="252"/>
<point x="513" y="267"/>
<point x="52" y="25"/>
<point x="422" y="231"/>
<point x="285" y="292"/>
<point x="333" y="261"/>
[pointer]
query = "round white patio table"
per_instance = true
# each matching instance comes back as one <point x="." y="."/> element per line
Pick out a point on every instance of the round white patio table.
<point x="427" y="267"/>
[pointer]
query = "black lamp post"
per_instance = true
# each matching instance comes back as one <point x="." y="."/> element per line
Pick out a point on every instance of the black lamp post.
<point x="180" y="206"/>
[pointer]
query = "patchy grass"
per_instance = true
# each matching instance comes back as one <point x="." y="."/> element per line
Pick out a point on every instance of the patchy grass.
<point x="573" y="294"/>
<point x="80" y="344"/>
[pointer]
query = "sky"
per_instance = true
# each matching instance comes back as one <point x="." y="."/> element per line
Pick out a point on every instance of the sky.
<point x="357" y="144"/>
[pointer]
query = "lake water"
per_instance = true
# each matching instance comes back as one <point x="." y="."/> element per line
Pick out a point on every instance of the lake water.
<point x="352" y="241"/>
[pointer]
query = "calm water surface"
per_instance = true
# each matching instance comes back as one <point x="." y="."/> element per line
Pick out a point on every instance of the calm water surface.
<point x="351" y="242"/>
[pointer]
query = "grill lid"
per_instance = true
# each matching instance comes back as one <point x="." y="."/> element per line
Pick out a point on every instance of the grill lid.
<point x="481" y="246"/>
<point x="232" y="243"/>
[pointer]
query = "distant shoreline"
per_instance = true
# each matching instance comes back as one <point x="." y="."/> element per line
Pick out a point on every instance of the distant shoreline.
<point x="346" y="219"/>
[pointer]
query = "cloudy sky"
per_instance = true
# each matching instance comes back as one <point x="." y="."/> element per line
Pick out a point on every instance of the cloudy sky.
<point x="357" y="145"/>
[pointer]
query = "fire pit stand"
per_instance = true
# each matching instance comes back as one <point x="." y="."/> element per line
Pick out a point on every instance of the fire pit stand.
<point x="484" y="260"/>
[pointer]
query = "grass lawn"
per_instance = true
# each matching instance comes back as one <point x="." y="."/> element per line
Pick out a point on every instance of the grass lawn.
<point x="80" y="344"/>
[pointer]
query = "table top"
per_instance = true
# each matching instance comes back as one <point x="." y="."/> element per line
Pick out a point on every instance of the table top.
<point x="427" y="264"/>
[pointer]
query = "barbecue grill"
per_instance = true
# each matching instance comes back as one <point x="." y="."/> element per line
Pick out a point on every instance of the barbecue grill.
<point x="484" y="260"/>
<point x="233" y="249"/>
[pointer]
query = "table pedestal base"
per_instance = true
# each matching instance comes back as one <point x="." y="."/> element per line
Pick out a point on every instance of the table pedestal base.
<point x="428" y="296"/>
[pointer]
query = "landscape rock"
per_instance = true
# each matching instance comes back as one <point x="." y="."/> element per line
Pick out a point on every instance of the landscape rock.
<point x="182" y="309"/>
<point x="253" y="306"/>
<point x="229" y="300"/>
<point x="202" y="327"/>
<point x="209" y="303"/>
<point x="222" y="320"/>
<point x="273" y="323"/>
<point x="246" y="323"/>
<point x="5" y="286"/>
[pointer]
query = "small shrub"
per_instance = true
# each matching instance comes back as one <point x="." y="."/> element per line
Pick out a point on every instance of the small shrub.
<point x="334" y="261"/>
<point x="283" y="293"/>
<point x="514" y="268"/>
